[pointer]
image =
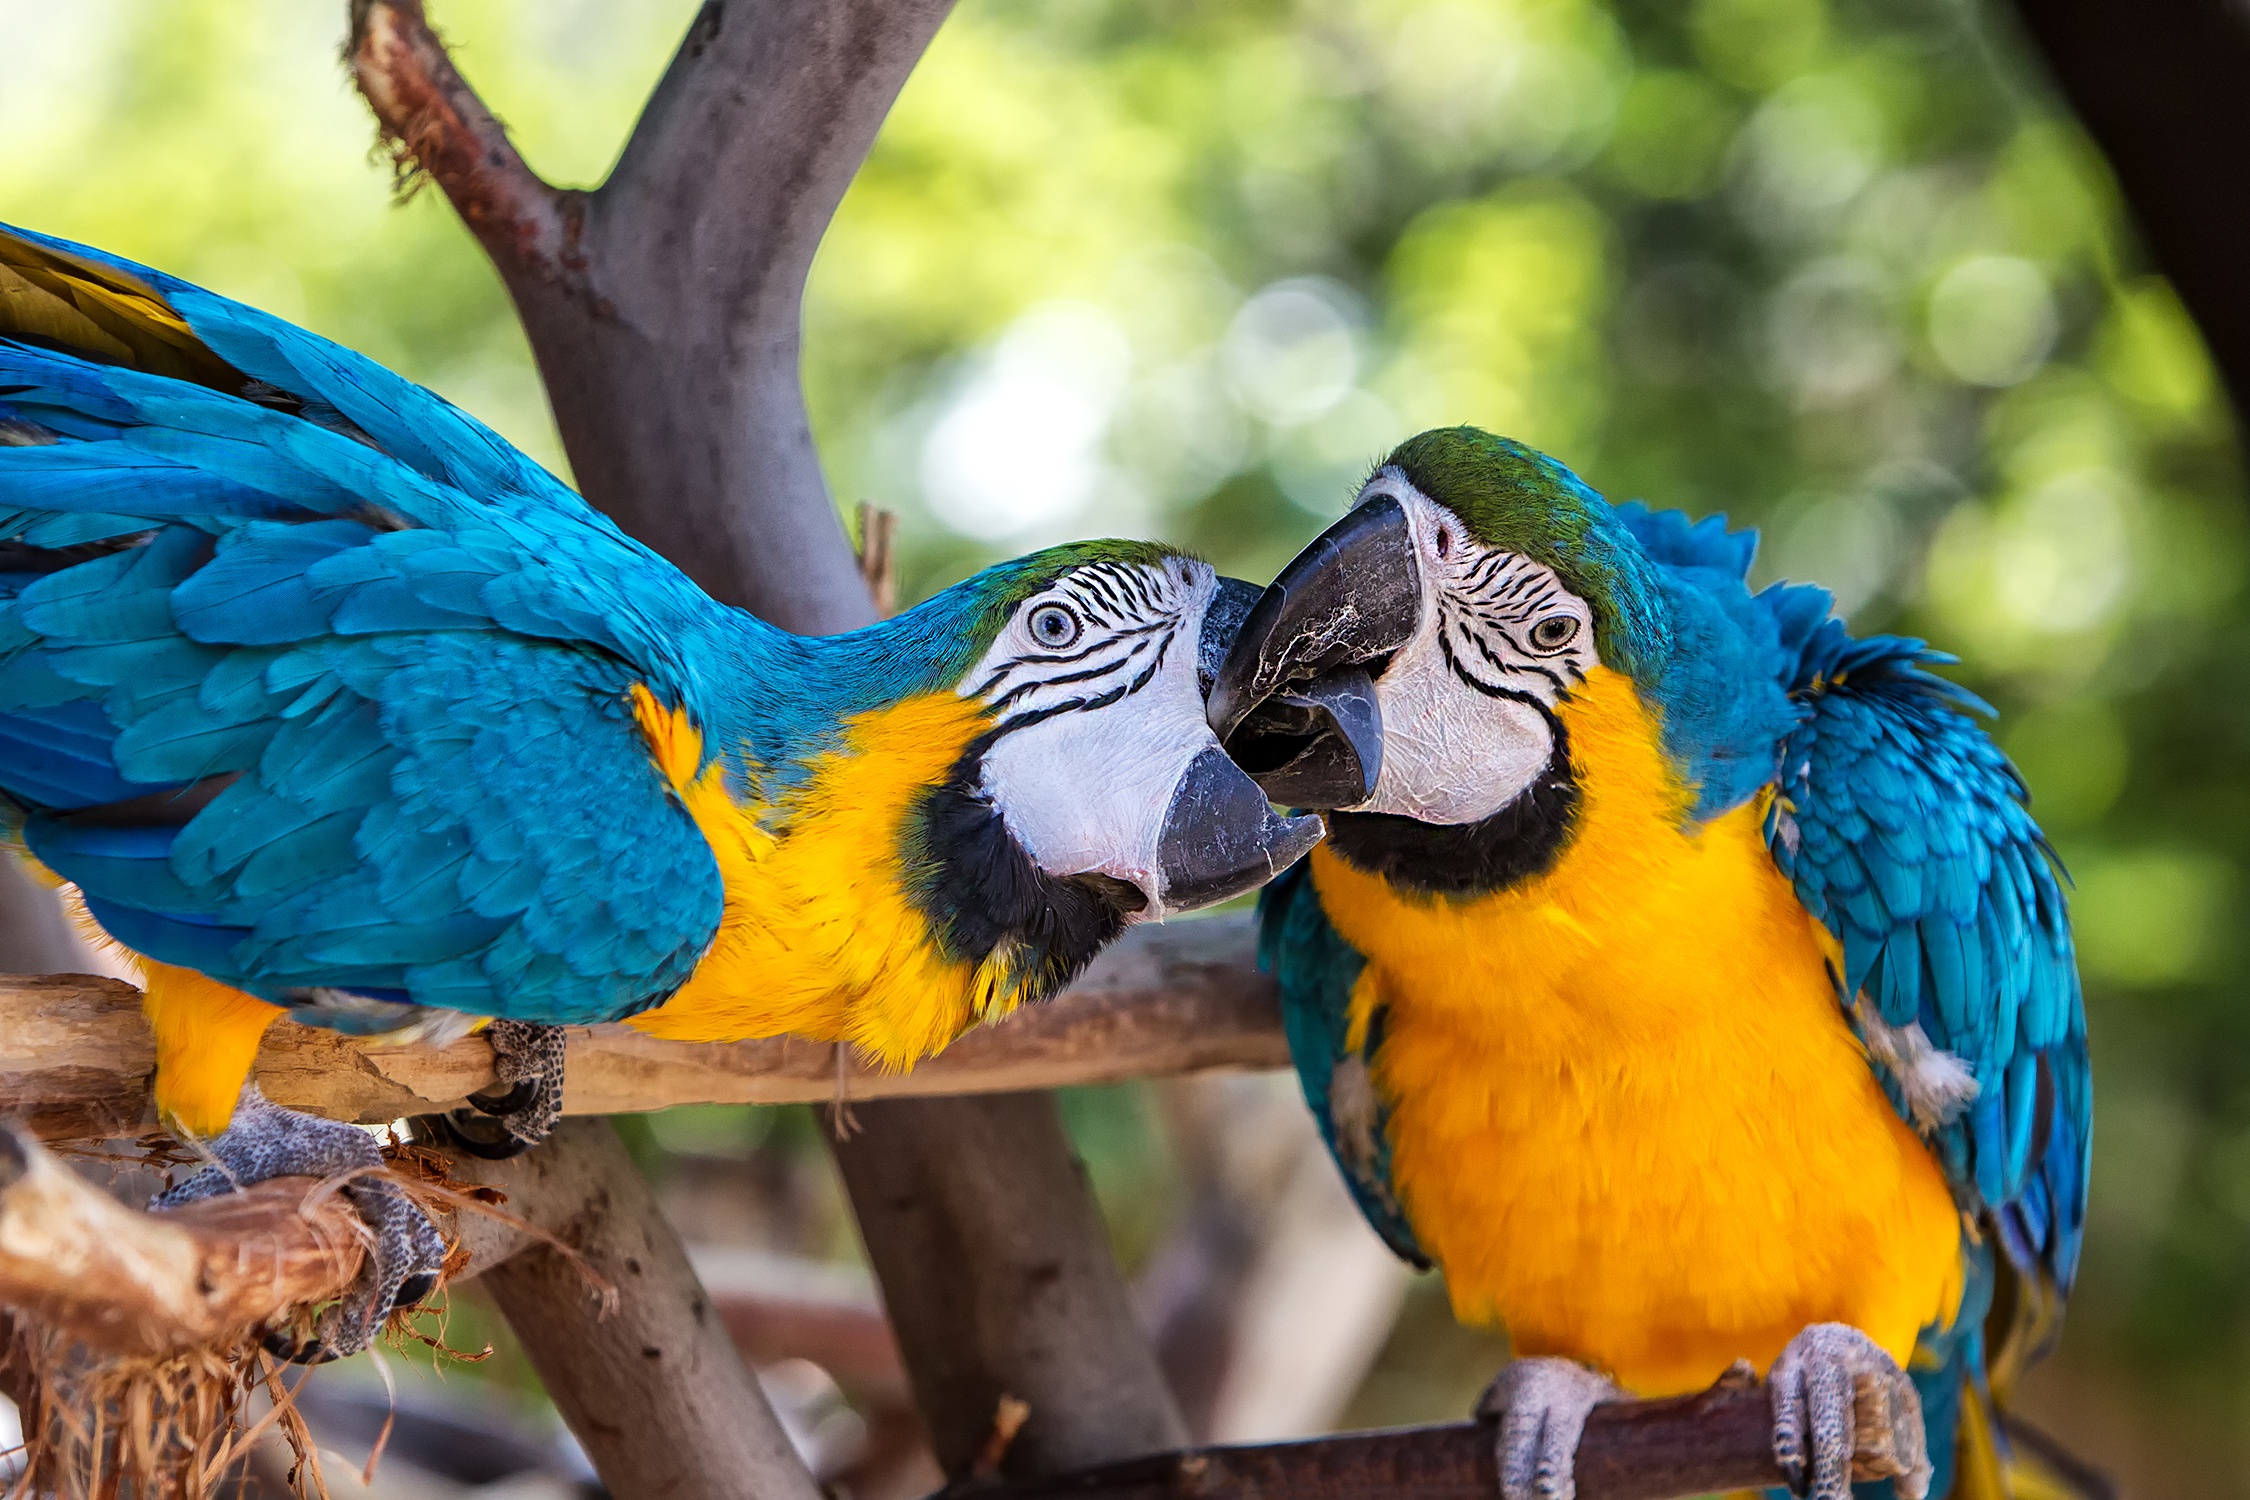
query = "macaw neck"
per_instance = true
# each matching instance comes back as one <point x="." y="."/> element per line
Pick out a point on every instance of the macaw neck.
<point x="774" y="703"/>
<point x="1630" y="878"/>
<point x="1608" y="752"/>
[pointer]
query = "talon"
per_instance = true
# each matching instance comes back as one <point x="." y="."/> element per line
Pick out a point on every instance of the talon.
<point x="1542" y="1405"/>
<point x="1814" y="1410"/>
<point x="406" y="1253"/>
<point x="480" y="1134"/>
<point x="290" y="1350"/>
<point x="512" y="1100"/>
<point x="522" y="1106"/>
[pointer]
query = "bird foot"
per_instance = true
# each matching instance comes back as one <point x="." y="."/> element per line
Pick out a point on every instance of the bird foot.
<point x="405" y="1253"/>
<point x="522" y="1107"/>
<point x="1816" y="1408"/>
<point x="1542" y="1405"/>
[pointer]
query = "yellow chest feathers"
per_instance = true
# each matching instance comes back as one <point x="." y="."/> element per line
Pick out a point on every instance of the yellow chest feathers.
<point x="1628" y="1118"/>
<point x="819" y="937"/>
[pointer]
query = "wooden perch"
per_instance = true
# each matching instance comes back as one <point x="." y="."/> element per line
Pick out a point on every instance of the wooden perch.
<point x="75" y="1055"/>
<point x="140" y="1285"/>
<point x="127" y="1283"/>
<point x="664" y="309"/>
<point x="1716" y="1440"/>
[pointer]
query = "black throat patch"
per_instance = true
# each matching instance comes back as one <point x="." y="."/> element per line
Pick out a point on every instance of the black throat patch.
<point x="1520" y="841"/>
<point x="982" y="893"/>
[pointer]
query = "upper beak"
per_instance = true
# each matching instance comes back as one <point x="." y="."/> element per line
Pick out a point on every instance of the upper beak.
<point x="1294" y="701"/>
<point x="1220" y="836"/>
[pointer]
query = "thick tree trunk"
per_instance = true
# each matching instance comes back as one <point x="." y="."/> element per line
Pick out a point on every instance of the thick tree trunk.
<point x="663" y="309"/>
<point x="655" y="1389"/>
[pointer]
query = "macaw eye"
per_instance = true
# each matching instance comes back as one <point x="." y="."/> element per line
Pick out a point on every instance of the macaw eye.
<point x="1554" y="632"/>
<point x="1054" y="626"/>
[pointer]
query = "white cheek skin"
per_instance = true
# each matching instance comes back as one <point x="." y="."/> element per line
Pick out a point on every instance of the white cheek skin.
<point x="1452" y="754"/>
<point x="1434" y="727"/>
<point x="1087" y="792"/>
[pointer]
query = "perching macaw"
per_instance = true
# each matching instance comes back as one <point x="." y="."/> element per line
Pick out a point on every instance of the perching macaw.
<point x="331" y="704"/>
<point x="1682" y="976"/>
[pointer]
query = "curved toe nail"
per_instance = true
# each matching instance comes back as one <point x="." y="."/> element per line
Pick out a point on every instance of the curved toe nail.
<point x="476" y="1133"/>
<point x="414" y="1289"/>
<point x="514" y="1099"/>
<point x="290" y="1352"/>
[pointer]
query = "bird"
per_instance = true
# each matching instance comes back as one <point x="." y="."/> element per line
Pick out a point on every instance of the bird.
<point x="327" y="703"/>
<point x="1683" y="976"/>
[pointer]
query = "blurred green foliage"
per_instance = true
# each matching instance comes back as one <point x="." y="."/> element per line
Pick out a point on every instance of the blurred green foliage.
<point x="1838" y="267"/>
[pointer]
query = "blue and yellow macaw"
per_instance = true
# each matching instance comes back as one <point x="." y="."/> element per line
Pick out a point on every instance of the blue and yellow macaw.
<point x="1682" y="976"/>
<point x="330" y="704"/>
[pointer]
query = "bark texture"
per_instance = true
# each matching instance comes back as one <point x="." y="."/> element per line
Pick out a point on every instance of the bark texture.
<point x="1716" y="1440"/>
<point x="664" y="311"/>
<point x="76" y="1057"/>
<point x="75" y="1261"/>
<point x="653" y="1385"/>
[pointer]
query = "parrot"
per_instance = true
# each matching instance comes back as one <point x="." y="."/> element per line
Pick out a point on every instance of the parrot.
<point x="327" y="703"/>
<point x="1682" y="976"/>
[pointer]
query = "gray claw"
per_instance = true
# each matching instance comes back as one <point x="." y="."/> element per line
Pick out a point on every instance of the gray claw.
<point x="265" y="1141"/>
<point x="1814" y="1410"/>
<point x="1542" y="1405"/>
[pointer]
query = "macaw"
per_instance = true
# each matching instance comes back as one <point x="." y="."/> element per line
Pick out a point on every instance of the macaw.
<point x="1682" y="976"/>
<point x="329" y="704"/>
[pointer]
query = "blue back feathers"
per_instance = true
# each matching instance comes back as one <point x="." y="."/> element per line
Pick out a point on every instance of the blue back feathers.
<point x="1905" y="830"/>
<point x="311" y="682"/>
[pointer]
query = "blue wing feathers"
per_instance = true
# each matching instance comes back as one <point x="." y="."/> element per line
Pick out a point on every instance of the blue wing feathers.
<point x="407" y="645"/>
<point x="1315" y="971"/>
<point x="1905" y="830"/>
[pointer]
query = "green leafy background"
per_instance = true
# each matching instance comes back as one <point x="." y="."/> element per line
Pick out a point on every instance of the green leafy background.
<point x="1842" y="269"/>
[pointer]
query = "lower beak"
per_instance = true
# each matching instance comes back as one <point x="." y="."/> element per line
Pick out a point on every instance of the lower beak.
<point x="1314" y="744"/>
<point x="1294" y="701"/>
<point x="1221" y="838"/>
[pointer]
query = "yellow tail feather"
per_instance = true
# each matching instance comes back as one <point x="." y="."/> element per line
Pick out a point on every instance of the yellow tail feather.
<point x="207" y="1038"/>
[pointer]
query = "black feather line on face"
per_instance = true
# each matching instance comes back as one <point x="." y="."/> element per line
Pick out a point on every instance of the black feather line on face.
<point x="1519" y="842"/>
<point x="982" y="892"/>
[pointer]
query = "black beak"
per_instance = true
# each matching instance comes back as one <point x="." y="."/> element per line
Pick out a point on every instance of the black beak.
<point x="1222" y="838"/>
<point x="1294" y="701"/>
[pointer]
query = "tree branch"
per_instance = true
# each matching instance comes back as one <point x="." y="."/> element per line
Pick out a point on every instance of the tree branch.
<point x="435" y="125"/>
<point x="1716" y="1440"/>
<point x="655" y="1389"/>
<point x="75" y="1055"/>
<point x="117" y="1281"/>
<point x="670" y="354"/>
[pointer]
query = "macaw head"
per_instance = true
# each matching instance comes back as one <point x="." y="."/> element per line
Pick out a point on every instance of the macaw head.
<point x="1086" y="791"/>
<point x="1416" y="666"/>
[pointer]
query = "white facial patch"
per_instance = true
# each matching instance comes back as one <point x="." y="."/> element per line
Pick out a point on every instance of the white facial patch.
<point x="1094" y="683"/>
<point x="1501" y="642"/>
